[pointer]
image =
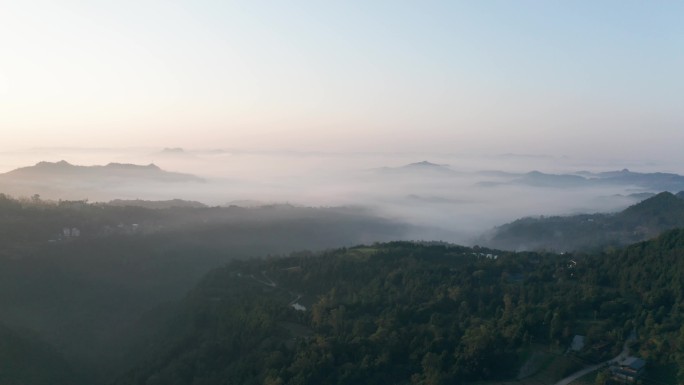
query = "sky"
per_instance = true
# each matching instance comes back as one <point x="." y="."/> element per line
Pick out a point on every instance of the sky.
<point x="536" y="77"/>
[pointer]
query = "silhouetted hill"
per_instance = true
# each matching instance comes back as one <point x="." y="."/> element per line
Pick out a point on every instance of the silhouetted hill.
<point x="639" y="222"/>
<point x="166" y="204"/>
<point x="62" y="169"/>
<point x="173" y="150"/>
<point x="420" y="169"/>
<point x="425" y="164"/>
<point x="664" y="210"/>
<point x="539" y="179"/>
<point x="62" y="180"/>
<point x="657" y="181"/>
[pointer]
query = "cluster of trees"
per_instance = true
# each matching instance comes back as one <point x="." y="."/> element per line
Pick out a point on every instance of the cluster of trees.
<point x="408" y="313"/>
<point x="650" y="277"/>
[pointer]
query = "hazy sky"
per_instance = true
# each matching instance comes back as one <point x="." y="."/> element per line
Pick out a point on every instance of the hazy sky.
<point x="568" y="77"/>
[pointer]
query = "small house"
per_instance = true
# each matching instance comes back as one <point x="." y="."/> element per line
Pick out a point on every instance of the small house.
<point x="629" y="370"/>
<point x="577" y="343"/>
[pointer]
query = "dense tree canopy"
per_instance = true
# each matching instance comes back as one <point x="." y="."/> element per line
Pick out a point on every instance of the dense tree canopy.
<point x="418" y="313"/>
<point x="402" y="312"/>
<point x="592" y="232"/>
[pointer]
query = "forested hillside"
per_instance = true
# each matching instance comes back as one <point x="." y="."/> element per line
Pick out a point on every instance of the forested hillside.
<point x="24" y="359"/>
<point x="82" y="276"/>
<point x="407" y="313"/>
<point x="103" y="299"/>
<point x="592" y="232"/>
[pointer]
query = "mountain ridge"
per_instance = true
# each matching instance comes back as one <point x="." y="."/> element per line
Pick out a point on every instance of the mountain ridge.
<point x="113" y="169"/>
<point x="658" y="181"/>
<point x="648" y="218"/>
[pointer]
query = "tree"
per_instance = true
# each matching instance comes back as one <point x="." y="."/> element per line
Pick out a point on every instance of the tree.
<point x="602" y="377"/>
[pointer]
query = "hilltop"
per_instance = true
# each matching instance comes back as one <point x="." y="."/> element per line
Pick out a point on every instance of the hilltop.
<point x="420" y="168"/>
<point x="639" y="222"/>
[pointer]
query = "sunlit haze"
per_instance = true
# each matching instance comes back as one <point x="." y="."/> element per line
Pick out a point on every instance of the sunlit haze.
<point x="580" y="79"/>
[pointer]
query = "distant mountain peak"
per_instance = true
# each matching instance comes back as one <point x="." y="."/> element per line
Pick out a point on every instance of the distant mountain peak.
<point x="131" y="166"/>
<point x="422" y="167"/>
<point x="663" y="200"/>
<point x="61" y="163"/>
<point x="173" y="150"/>
<point x="424" y="163"/>
<point x="51" y="170"/>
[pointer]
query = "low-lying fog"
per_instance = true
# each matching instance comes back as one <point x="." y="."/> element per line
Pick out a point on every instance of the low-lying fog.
<point x="456" y="202"/>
